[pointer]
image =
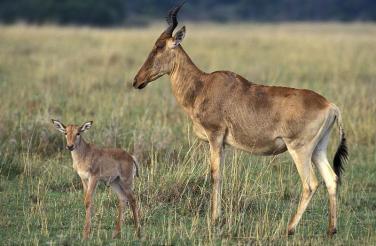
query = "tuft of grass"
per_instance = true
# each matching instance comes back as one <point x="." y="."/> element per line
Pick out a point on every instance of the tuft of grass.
<point x="78" y="74"/>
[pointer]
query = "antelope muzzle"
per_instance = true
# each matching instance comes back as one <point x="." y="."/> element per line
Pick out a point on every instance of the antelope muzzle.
<point x="70" y="147"/>
<point x="139" y="85"/>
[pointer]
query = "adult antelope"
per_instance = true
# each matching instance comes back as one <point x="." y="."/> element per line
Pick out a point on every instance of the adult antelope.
<point x="114" y="166"/>
<point x="266" y="120"/>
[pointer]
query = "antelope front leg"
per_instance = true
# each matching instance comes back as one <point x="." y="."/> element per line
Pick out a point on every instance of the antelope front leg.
<point x="216" y="159"/>
<point x="88" y="205"/>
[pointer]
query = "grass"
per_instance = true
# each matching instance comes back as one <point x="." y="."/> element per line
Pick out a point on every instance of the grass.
<point x="79" y="74"/>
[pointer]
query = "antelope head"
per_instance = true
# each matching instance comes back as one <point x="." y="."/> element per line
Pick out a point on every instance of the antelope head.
<point x="72" y="133"/>
<point x="161" y="58"/>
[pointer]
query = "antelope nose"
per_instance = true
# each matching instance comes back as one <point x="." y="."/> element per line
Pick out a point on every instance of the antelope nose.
<point x="70" y="147"/>
<point x="135" y="83"/>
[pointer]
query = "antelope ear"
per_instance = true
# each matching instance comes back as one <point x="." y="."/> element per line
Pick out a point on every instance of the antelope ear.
<point x="178" y="38"/>
<point x="86" y="126"/>
<point x="58" y="125"/>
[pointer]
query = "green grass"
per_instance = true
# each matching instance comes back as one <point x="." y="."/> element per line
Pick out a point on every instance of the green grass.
<point x="79" y="74"/>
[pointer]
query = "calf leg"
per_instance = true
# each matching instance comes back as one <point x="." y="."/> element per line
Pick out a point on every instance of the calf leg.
<point x="84" y="185"/>
<point x="88" y="205"/>
<point x="128" y="193"/>
<point x="133" y="204"/>
<point x="122" y="200"/>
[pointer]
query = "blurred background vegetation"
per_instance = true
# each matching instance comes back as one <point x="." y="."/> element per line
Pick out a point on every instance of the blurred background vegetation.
<point x="76" y="74"/>
<point x="125" y="12"/>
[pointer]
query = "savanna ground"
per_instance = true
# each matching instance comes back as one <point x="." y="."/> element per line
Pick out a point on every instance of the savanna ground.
<point x="78" y="74"/>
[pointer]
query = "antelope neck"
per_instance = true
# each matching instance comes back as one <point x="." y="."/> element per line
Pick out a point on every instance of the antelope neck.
<point x="186" y="78"/>
<point x="81" y="150"/>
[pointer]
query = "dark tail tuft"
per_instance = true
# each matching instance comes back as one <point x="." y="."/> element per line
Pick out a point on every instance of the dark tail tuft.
<point x="341" y="156"/>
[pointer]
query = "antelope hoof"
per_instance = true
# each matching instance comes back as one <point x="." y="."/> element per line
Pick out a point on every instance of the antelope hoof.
<point x="86" y="232"/>
<point x="139" y="235"/>
<point x="218" y="224"/>
<point x="215" y="217"/>
<point x="215" y="221"/>
<point x="291" y="232"/>
<point x="332" y="231"/>
<point x="115" y="234"/>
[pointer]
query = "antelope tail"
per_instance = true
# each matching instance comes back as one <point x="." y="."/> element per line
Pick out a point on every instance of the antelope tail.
<point x="135" y="162"/>
<point x="342" y="154"/>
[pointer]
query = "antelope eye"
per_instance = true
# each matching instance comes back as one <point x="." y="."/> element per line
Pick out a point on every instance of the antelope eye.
<point x="65" y="133"/>
<point x="78" y="134"/>
<point x="160" y="46"/>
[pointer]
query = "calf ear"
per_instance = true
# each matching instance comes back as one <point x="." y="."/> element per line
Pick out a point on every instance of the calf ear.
<point x="178" y="38"/>
<point x="86" y="126"/>
<point x="58" y="125"/>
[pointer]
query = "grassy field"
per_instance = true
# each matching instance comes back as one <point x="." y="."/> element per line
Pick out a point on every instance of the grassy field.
<point x="79" y="74"/>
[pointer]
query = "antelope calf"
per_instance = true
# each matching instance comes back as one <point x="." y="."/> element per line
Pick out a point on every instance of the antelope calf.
<point x="227" y="109"/>
<point x="114" y="166"/>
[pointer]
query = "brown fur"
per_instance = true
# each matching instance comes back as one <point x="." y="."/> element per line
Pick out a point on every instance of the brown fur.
<point x="267" y="120"/>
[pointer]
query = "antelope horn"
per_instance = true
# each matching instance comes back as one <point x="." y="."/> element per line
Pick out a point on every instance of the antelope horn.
<point x="171" y="18"/>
